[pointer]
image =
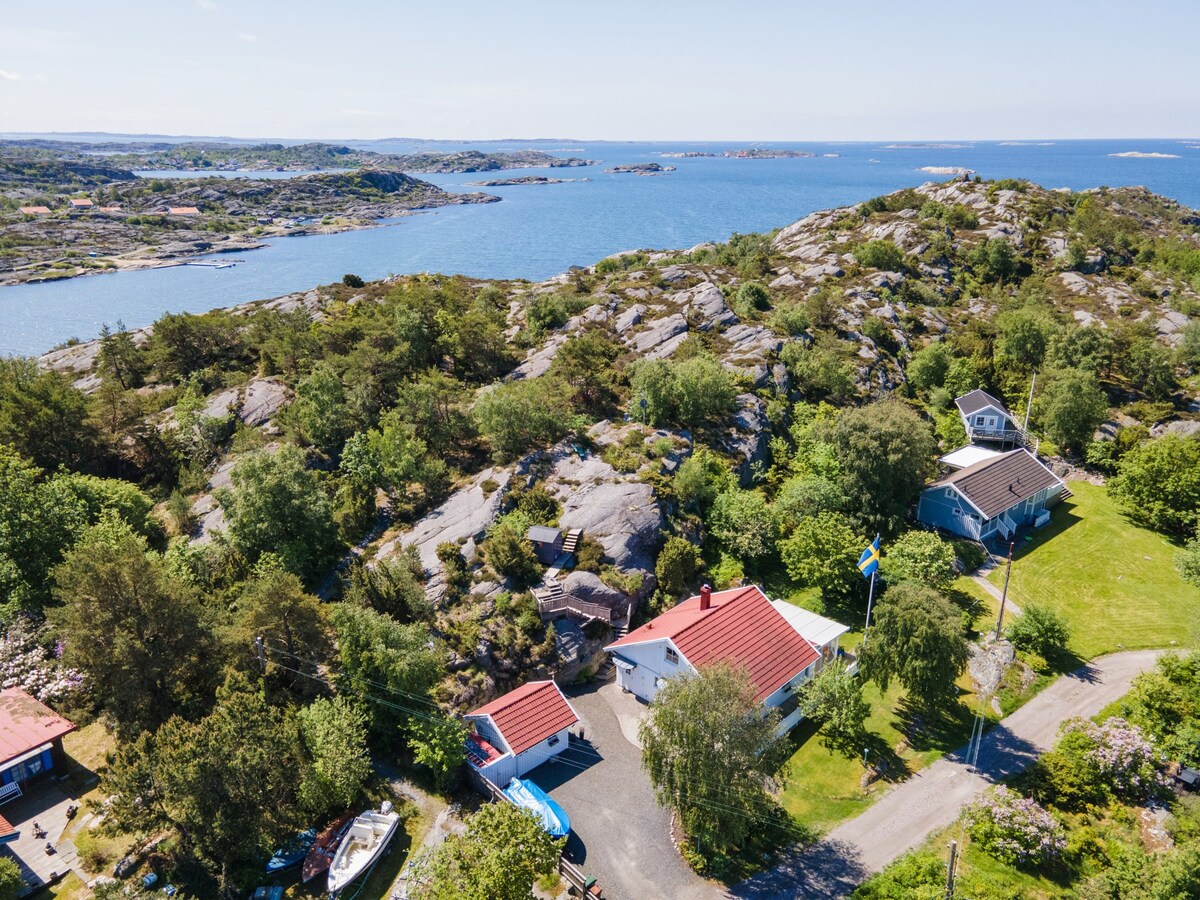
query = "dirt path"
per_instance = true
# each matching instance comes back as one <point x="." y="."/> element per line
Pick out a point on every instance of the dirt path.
<point x="933" y="798"/>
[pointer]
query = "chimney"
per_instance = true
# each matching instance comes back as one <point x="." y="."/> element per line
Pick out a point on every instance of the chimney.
<point x="705" y="597"/>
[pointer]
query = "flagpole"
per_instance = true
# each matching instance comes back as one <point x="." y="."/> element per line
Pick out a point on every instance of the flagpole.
<point x="870" y="595"/>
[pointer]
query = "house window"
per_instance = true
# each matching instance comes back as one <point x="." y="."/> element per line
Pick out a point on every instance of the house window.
<point x="979" y="420"/>
<point x="552" y="741"/>
<point x="672" y="656"/>
<point x="950" y="493"/>
<point x="957" y="512"/>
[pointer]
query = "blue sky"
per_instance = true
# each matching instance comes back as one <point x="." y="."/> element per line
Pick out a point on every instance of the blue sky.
<point x="656" y="69"/>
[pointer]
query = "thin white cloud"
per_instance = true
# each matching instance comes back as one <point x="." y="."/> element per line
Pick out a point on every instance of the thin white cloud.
<point x="206" y="5"/>
<point x="10" y="76"/>
<point x="247" y="37"/>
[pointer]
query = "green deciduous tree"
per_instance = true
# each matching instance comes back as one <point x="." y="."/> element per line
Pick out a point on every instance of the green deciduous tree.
<point x="278" y="505"/>
<point x="1039" y="629"/>
<point x="1071" y="409"/>
<point x="823" y="552"/>
<point x="700" y="478"/>
<point x="1187" y="561"/>
<point x="504" y="850"/>
<point x="439" y="745"/>
<point x="688" y="392"/>
<point x="1158" y="483"/>
<point x="917" y="638"/>
<point x="134" y="629"/>
<point x="382" y="658"/>
<point x="880" y="254"/>
<point x="834" y="700"/>
<point x="921" y="557"/>
<point x="928" y="367"/>
<point x="885" y="451"/>
<point x="336" y="761"/>
<point x="321" y="410"/>
<point x="713" y="756"/>
<point x="744" y="523"/>
<point x="521" y="415"/>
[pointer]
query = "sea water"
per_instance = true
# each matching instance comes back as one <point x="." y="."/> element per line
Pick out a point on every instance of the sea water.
<point x="541" y="230"/>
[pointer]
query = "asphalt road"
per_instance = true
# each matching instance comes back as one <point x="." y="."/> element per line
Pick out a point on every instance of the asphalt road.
<point x="618" y="832"/>
<point x="906" y="815"/>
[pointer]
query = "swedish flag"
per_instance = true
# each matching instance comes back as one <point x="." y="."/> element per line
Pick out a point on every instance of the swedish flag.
<point x="869" y="561"/>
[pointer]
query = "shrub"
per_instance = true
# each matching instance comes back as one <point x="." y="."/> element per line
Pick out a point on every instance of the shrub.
<point x="589" y="554"/>
<point x="677" y="566"/>
<point x="920" y="556"/>
<point x="351" y="280"/>
<point x="879" y="254"/>
<point x="1015" y="829"/>
<point x="1039" y="630"/>
<point x="1187" y="561"/>
<point x="1122" y="755"/>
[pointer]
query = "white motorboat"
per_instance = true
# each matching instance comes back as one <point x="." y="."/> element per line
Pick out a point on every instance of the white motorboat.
<point x="369" y="834"/>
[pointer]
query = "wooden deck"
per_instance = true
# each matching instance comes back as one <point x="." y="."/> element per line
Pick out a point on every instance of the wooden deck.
<point x="45" y="803"/>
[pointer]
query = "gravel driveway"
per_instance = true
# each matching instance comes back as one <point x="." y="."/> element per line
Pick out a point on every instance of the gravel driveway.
<point x="906" y="815"/>
<point x="618" y="833"/>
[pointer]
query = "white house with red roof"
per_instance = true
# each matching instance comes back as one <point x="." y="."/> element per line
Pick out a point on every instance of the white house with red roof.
<point x="519" y="731"/>
<point x="779" y="645"/>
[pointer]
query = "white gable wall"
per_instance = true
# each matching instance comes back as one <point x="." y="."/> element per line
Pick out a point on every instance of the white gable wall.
<point x="651" y="667"/>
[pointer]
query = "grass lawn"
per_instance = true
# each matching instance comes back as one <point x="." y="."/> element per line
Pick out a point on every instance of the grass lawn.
<point x="1114" y="582"/>
<point x="825" y="783"/>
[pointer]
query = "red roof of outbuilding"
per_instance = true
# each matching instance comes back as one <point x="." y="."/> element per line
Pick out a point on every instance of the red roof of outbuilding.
<point x="26" y="724"/>
<point x="530" y="714"/>
<point x="740" y="627"/>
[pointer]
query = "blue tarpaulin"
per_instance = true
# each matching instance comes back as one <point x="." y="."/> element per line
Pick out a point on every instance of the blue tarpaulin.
<point x="529" y="796"/>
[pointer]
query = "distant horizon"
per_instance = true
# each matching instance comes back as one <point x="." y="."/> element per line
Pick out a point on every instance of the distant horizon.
<point x="167" y="136"/>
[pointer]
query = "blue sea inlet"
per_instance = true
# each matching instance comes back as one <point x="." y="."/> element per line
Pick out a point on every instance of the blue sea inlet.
<point x="541" y="230"/>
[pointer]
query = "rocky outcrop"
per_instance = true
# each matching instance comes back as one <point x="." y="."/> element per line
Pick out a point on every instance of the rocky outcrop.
<point x="462" y="519"/>
<point x="748" y="440"/>
<point x="617" y="510"/>
<point x="262" y="399"/>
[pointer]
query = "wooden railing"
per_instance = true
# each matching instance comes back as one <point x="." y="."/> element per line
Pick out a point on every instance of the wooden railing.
<point x="567" y="603"/>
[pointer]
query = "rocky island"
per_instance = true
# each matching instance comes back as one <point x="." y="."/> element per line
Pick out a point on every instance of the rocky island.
<point x="524" y="179"/>
<point x="639" y="169"/>
<point x="63" y="218"/>
<point x="210" y="156"/>
<point x="767" y="153"/>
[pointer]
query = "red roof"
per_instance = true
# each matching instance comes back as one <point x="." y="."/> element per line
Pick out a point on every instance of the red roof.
<point x="8" y="833"/>
<point x="530" y="714"/>
<point x="26" y="724"/>
<point x="740" y="627"/>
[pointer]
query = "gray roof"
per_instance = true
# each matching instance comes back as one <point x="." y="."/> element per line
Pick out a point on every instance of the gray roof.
<point x="543" y="534"/>
<point x="973" y="401"/>
<point x="995" y="485"/>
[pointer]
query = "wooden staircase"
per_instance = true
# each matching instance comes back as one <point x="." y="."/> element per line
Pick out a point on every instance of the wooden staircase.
<point x="571" y="540"/>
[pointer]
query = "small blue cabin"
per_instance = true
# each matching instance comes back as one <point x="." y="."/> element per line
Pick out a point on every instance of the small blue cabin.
<point x="985" y="418"/>
<point x="995" y="495"/>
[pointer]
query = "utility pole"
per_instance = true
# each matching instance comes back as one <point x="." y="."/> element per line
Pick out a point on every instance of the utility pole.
<point x="950" y="871"/>
<point x="1004" y="594"/>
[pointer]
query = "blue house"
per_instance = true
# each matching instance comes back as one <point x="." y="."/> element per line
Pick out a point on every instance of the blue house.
<point x="986" y="419"/>
<point x="993" y="496"/>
